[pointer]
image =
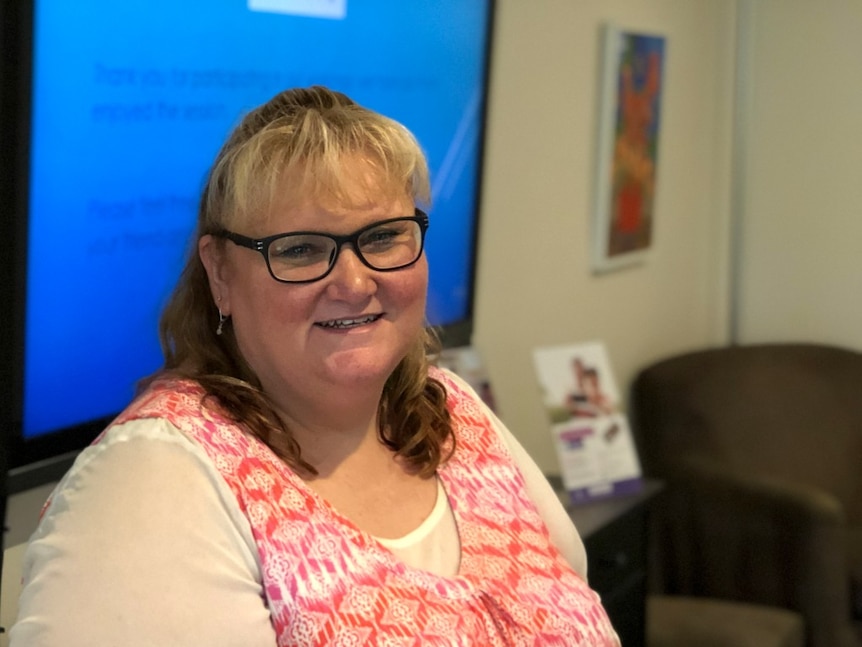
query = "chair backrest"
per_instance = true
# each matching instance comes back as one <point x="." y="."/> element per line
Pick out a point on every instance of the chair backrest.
<point x="785" y="410"/>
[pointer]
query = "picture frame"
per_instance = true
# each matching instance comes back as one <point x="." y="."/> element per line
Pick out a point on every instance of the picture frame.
<point x="631" y="88"/>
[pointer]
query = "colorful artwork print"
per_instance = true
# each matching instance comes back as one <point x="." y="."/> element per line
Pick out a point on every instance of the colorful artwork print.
<point x="629" y="154"/>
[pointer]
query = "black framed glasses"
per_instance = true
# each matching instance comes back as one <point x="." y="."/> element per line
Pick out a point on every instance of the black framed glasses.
<point x="306" y="256"/>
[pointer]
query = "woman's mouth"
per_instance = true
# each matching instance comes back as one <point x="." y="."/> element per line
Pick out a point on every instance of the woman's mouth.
<point x="342" y="324"/>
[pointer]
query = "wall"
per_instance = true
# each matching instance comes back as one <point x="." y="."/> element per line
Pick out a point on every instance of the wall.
<point x="535" y="286"/>
<point x="801" y="223"/>
<point x="22" y="514"/>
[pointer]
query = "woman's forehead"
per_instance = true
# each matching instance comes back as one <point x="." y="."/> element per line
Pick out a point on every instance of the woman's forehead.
<point x="354" y="189"/>
<point x="348" y="183"/>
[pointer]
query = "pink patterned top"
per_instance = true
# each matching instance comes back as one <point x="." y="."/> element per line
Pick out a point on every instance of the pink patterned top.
<point x="329" y="583"/>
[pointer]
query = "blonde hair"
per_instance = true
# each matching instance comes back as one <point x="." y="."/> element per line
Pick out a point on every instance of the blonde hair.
<point x="295" y="145"/>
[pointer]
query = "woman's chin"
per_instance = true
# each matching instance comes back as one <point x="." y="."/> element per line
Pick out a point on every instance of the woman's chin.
<point x="363" y="367"/>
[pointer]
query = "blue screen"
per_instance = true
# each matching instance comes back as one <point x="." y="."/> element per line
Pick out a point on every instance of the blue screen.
<point x="130" y="103"/>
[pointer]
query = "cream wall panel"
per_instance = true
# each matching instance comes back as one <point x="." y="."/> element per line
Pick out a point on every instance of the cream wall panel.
<point x="535" y="286"/>
<point x="802" y="218"/>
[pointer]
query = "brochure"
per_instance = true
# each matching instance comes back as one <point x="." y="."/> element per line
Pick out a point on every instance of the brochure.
<point x="591" y="433"/>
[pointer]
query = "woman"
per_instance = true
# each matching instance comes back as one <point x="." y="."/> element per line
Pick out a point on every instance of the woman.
<point x="297" y="474"/>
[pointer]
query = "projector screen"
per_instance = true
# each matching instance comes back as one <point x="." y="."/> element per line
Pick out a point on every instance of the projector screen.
<point x="127" y="104"/>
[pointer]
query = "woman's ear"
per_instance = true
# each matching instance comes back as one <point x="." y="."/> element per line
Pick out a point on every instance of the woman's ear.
<point x="212" y="255"/>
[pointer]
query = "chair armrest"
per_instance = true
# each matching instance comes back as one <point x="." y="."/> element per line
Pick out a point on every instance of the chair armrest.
<point x="760" y="540"/>
<point x="680" y="621"/>
<point x="795" y="501"/>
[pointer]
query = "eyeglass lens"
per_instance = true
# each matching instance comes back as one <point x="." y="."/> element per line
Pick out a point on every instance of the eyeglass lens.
<point x="305" y="257"/>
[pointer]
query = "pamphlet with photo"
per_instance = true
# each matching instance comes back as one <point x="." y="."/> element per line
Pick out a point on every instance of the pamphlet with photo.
<point x="591" y="433"/>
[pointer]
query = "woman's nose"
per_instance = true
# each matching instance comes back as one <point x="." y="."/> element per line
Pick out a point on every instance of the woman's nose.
<point x="350" y="277"/>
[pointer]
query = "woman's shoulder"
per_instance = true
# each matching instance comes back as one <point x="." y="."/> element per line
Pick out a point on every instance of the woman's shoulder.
<point x="166" y="391"/>
<point x="473" y="422"/>
<point x="461" y="397"/>
<point x="149" y="425"/>
<point x="456" y="387"/>
<point x="151" y="436"/>
<point x="146" y="517"/>
<point x="182" y="402"/>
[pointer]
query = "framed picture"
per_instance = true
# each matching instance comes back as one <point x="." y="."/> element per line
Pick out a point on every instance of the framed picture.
<point x="632" y="79"/>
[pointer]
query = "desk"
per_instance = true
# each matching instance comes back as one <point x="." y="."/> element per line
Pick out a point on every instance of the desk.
<point x="615" y="534"/>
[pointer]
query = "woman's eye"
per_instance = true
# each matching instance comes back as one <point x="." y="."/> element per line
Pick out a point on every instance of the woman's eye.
<point x="381" y="237"/>
<point x="299" y="252"/>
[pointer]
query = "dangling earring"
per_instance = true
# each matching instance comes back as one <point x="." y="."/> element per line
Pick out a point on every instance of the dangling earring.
<point x="221" y="320"/>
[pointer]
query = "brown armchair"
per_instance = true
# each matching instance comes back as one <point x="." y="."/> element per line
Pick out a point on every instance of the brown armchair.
<point x="760" y="448"/>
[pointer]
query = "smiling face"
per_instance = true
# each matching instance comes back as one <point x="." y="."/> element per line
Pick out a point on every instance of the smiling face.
<point x="349" y="329"/>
